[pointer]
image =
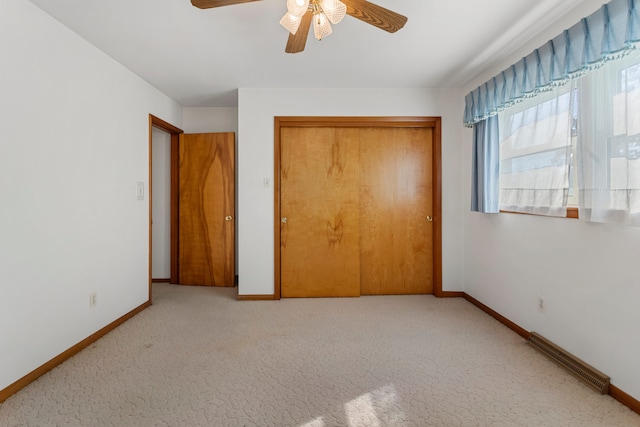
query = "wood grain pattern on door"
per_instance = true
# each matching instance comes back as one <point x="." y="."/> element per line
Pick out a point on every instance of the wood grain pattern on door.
<point x="396" y="240"/>
<point x="207" y="209"/>
<point x="319" y="177"/>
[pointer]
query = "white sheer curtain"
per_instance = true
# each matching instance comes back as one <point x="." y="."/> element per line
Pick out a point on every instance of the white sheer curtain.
<point x="535" y="153"/>
<point x="609" y="143"/>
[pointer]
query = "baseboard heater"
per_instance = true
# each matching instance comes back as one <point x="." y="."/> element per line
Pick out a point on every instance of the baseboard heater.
<point x="584" y="372"/>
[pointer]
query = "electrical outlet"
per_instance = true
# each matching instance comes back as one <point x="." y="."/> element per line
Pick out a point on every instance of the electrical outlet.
<point x="93" y="299"/>
<point x="542" y="305"/>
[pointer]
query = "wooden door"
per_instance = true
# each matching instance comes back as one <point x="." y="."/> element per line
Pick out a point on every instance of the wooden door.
<point x="207" y="209"/>
<point x="396" y="238"/>
<point x="319" y="230"/>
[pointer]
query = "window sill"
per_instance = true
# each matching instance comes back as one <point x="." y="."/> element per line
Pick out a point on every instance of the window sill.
<point x="572" y="213"/>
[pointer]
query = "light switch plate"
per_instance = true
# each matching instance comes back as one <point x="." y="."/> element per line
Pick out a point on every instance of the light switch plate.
<point x="140" y="190"/>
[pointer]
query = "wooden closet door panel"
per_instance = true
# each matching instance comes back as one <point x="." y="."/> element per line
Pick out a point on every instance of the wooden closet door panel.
<point x="206" y="210"/>
<point x="395" y="201"/>
<point x="320" y="249"/>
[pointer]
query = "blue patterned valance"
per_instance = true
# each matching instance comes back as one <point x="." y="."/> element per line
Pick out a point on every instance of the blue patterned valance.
<point x="610" y="32"/>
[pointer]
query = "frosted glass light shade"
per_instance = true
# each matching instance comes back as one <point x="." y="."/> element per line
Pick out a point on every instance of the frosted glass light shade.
<point x="334" y="9"/>
<point x="290" y="22"/>
<point x="328" y="5"/>
<point x="297" y="7"/>
<point x="321" y="26"/>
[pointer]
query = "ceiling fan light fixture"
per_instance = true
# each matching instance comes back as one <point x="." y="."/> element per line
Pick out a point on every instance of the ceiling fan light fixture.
<point x="297" y="7"/>
<point x="334" y="9"/>
<point x="291" y="22"/>
<point x="321" y="26"/>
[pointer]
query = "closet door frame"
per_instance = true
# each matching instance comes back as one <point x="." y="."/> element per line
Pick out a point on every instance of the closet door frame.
<point x="366" y="122"/>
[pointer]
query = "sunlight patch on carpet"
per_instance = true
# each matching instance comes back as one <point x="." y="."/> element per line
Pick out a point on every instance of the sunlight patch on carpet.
<point x="374" y="409"/>
<point x="318" y="422"/>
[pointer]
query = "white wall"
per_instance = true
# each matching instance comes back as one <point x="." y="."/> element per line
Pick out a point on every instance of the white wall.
<point x="161" y="205"/>
<point x="587" y="273"/>
<point x="206" y="120"/>
<point x="74" y="143"/>
<point x="257" y="108"/>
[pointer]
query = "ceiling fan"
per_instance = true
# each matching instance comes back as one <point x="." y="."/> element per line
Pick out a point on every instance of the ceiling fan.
<point x="322" y="13"/>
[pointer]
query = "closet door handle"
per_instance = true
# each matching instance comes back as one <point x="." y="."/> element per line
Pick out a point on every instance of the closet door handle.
<point x="429" y="218"/>
<point x="283" y="220"/>
<point x="228" y="218"/>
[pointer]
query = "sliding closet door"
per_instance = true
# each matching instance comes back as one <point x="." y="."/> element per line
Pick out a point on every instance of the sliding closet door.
<point x="320" y="220"/>
<point x="396" y="239"/>
<point x="359" y="205"/>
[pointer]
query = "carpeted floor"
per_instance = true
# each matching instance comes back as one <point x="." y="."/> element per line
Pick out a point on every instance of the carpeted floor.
<point x="197" y="357"/>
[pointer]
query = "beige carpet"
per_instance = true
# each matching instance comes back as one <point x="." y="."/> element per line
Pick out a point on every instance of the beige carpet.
<point x="197" y="357"/>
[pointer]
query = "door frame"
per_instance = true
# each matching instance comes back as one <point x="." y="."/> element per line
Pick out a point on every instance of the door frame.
<point x="175" y="133"/>
<point x="361" y="122"/>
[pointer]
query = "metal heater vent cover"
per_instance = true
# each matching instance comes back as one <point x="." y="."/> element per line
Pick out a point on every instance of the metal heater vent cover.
<point x="584" y="372"/>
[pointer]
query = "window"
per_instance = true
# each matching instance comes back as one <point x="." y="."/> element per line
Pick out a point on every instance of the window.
<point x="576" y="145"/>
<point x="537" y="137"/>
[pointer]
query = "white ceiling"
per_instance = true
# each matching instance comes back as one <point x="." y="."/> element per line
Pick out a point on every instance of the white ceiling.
<point x="201" y="57"/>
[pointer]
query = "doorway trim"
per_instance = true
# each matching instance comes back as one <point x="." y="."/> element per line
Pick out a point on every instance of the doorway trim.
<point x="361" y="122"/>
<point x="175" y="133"/>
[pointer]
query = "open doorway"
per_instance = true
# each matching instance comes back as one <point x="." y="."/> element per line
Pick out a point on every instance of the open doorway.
<point x="163" y="206"/>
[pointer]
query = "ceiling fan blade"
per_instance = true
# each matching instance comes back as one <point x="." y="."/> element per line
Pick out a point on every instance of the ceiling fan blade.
<point x="207" y="4"/>
<point x="375" y="15"/>
<point x="297" y="41"/>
